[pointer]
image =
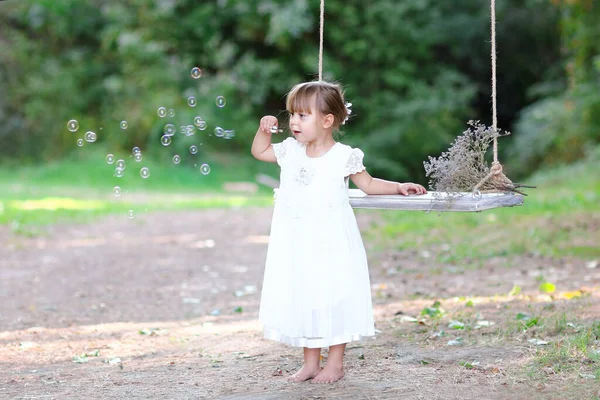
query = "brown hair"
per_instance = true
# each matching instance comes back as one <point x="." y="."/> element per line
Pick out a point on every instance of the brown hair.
<point x="328" y="99"/>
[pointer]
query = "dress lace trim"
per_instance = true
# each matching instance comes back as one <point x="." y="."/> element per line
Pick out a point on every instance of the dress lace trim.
<point x="355" y="162"/>
<point x="279" y="150"/>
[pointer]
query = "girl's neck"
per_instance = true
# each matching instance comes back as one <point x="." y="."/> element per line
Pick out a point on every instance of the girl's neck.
<point x="320" y="145"/>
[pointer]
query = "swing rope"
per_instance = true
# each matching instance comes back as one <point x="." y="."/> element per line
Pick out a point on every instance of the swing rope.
<point x="496" y="167"/>
<point x="494" y="110"/>
<point x="321" y="28"/>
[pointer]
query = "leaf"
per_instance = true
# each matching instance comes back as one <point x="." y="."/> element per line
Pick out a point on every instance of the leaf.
<point x="573" y="326"/>
<point x="436" y="335"/>
<point x="238" y="309"/>
<point x="468" y="365"/>
<point x="527" y="320"/>
<point x="514" y="291"/>
<point x="531" y="322"/>
<point x="80" y="359"/>
<point x="151" y="331"/>
<point x="571" y="295"/>
<point x="469" y="303"/>
<point x="431" y="311"/>
<point x="26" y="345"/>
<point x="538" y="342"/>
<point x="547" y="287"/>
<point x="406" y="318"/>
<point x="523" y="317"/>
<point x="483" y="324"/>
<point x="456" y="325"/>
<point x="456" y="342"/>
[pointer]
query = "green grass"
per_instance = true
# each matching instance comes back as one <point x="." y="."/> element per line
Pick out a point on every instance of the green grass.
<point x="80" y="188"/>
<point x="569" y="353"/>
<point x="86" y="171"/>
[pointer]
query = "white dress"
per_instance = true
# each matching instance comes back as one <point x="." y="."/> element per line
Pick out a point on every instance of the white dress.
<point x="316" y="291"/>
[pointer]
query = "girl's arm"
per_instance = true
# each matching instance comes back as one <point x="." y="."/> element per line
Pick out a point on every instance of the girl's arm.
<point x="262" y="149"/>
<point x="365" y="182"/>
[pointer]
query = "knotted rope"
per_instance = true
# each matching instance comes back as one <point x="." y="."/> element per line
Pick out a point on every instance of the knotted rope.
<point x="321" y="26"/>
<point x="496" y="167"/>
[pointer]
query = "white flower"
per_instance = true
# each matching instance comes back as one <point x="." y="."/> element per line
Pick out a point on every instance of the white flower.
<point x="348" y="112"/>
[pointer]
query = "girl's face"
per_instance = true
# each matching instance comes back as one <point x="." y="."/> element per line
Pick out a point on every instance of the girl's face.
<point x="304" y="126"/>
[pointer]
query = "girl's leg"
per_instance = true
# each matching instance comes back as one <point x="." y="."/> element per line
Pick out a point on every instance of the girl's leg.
<point x="311" y="367"/>
<point x="334" y="368"/>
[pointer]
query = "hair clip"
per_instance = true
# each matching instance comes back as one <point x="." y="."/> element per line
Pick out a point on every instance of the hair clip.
<point x="348" y="112"/>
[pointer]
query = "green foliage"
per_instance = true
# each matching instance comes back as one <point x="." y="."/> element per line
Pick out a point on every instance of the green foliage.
<point x="564" y="124"/>
<point x="415" y="71"/>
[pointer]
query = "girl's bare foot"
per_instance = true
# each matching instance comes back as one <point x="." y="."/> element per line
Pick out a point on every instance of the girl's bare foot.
<point x="305" y="373"/>
<point x="329" y="374"/>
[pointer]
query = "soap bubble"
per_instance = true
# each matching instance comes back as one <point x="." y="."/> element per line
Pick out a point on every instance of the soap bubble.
<point x="110" y="158"/>
<point x="189" y="130"/>
<point x="119" y="172"/>
<point x="193" y="149"/>
<point x="73" y="125"/>
<point x="79" y="142"/>
<point x="90" y="136"/>
<point x="219" y="132"/>
<point x="198" y="120"/>
<point x="205" y="169"/>
<point x="192" y="101"/>
<point x="196" y="73"/>
<point x="171" y="113"/>
<point x="228" y="134"/>
<point x="169" y="129"/>
<point x="124" y="124"/>
<point x="136" y="150"/>
<point x="145" y="172"/>
<point x="176" y="159"/>
<point x="120" y="164"/>
<point x="117" y="191"/>
<point x="165" y="140"/>
<point x="202" y="125"/>
<point x="130" y="214"/>
<point x="137" y="157"/>
<point x="162" y="112"/>
<point x="220" y="101"/>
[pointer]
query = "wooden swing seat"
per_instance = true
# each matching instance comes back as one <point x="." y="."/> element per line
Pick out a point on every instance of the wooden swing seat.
<point x="435" y="201"/>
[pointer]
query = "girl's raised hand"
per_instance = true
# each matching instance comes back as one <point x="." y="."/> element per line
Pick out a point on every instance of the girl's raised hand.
<point x="269" y="124"/>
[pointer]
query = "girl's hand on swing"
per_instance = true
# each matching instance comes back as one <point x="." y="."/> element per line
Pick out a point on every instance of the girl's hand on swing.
<point x="268" y="124"/>
<point x="410" y="188"/>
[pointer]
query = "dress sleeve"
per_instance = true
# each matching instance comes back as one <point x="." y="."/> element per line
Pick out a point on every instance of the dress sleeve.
<point x="282" y="149"/>
<point x="354" y="164"/>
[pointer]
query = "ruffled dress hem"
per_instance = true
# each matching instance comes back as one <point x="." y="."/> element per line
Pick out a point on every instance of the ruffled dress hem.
<point x="276" y="335"/>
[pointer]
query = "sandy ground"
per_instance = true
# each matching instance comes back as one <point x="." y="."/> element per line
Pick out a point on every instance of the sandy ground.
<point x="165" y="306"/>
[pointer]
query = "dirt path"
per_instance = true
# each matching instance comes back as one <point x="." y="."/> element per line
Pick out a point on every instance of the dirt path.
<point x="165" y="306"/>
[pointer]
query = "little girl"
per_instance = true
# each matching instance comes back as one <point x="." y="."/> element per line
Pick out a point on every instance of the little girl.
<point x="316" y="291"/>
